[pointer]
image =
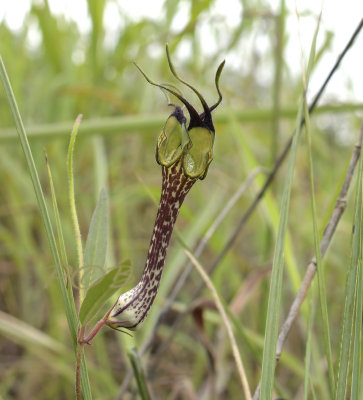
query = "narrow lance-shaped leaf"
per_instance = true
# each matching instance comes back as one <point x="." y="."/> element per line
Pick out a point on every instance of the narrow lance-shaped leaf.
<point x="102" y="290"/>
<point x="96" y="245"/>
<point x="274" y="301"/>
<point x="357" y="385"/>
<point x="62" y="248"/>
<point x="72" y="204"/>
<point x="139" y="374"/>
<point x="319" y="262"/>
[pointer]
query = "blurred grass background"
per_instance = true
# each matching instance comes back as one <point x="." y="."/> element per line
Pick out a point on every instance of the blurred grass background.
<point x="68" y="72"/>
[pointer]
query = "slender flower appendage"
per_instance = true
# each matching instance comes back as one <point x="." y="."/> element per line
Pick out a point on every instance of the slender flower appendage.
<point x="184" y="154"/>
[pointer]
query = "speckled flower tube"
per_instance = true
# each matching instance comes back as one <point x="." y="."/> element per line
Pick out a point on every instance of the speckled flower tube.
<point x="133" y="306"/>
<point x="184" y="154"/>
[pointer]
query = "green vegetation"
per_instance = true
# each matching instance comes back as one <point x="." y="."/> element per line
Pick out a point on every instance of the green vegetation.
<point x="108" y="188"/>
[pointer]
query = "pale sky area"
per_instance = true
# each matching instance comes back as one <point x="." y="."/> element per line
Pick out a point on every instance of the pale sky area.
<point x="341" y="17"/>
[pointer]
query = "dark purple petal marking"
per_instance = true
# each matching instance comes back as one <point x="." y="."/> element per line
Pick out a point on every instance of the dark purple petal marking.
<point x="135" y="304"/>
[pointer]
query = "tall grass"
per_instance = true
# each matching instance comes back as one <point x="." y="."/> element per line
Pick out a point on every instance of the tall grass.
<point x="39" y="260"/>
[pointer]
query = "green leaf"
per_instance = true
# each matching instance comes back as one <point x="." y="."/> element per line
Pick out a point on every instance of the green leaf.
<point x="274" y="300"/>
<point x="59" y="230"/>
<point x="102" y="290"/>
<point x="72" y="203"/>
<point x="96" y="245"/>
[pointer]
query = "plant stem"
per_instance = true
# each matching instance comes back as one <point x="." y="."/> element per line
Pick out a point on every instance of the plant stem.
<point x="151" y="122"/>
<point x="95" y="329"/>
<point x="78" y="369"/>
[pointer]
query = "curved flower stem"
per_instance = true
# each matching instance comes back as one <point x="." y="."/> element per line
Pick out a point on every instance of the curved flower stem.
<point x="103" y="321"/>
<point x="94" y="331"/>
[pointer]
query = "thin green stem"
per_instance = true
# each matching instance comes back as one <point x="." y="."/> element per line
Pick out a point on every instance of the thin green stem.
<point x="151" y="122"/>
<point x="78" y="366"/>
<point x="276" y="90"/>
<point x="319" y="261"/>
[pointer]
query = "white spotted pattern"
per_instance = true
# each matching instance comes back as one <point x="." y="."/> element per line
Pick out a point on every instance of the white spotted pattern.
<point x="133" y="306"/>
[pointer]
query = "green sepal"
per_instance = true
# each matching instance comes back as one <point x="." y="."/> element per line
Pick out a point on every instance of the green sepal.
<point x="172" y="141"/>
<point x="197" y="158"/>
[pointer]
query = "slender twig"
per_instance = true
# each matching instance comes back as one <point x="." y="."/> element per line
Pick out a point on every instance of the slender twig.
<point x="339" y="208"/>
<point x="283" y="154"/>
<point x="227" y="323"/>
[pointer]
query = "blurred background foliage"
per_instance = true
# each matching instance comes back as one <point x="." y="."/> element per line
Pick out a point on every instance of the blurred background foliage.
<point x="59" y="70"/>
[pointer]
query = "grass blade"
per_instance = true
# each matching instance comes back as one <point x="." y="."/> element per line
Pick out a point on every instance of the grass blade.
<point x="96" y="245"/>
<point x="227" y="323"/>
<point x="139" y="374"/>
<point x="319" y="261"/>
<point x="351" y="301"/>
<point x="357" y="348"/>
<point x="273" y="309"/>
<point x="72" y="204"/>
<point x="61" y="244"/>
<point x="357" y="386"/>
<point x="66" y="293"/>
<point x="307" y="377"/>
